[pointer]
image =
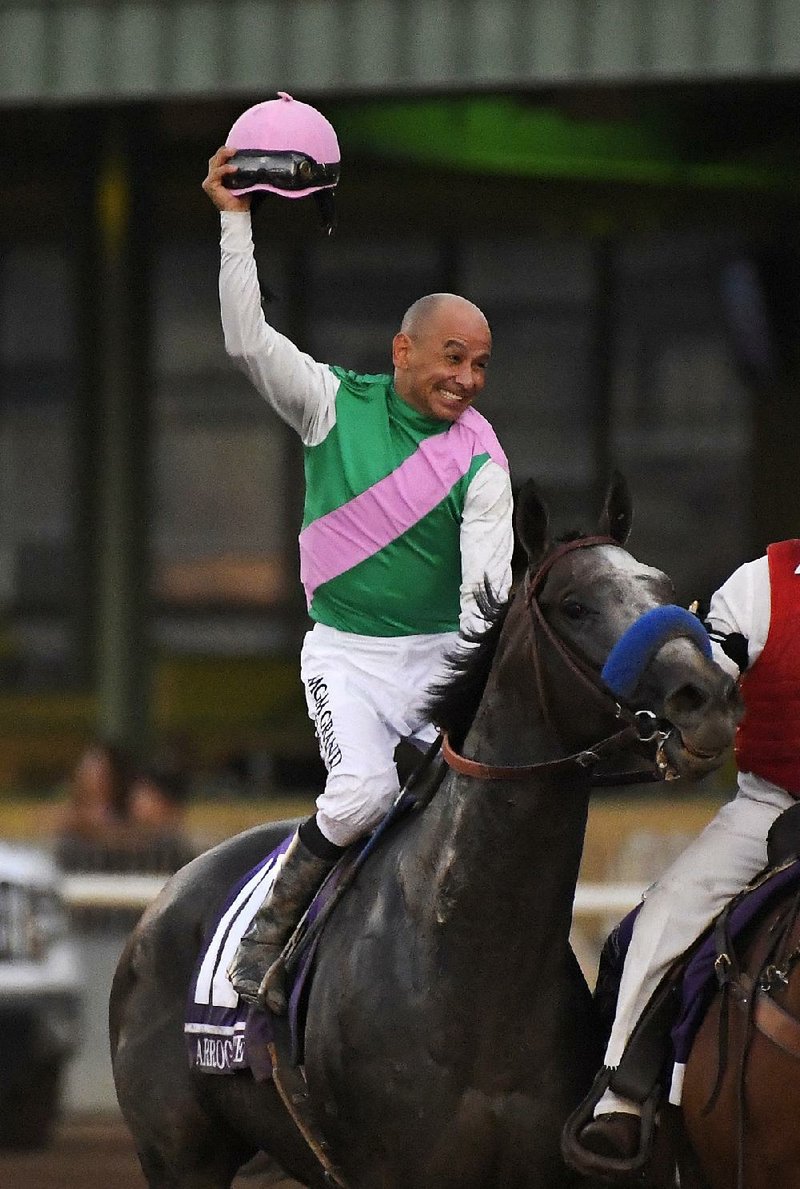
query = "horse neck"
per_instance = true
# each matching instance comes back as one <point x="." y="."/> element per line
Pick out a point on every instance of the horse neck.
<point x="506" y="853"/>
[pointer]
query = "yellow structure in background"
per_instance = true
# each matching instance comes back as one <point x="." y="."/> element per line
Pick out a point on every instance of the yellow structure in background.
<point x="629" y="839"/>
<point x="220" y="703"/>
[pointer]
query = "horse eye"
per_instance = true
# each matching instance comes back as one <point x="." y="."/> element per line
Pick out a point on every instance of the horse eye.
<point x="573" y="609"/>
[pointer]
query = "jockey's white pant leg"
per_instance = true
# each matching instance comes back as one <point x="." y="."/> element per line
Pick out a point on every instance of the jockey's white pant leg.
<point x="684" y="901"/>
<point x="364" y="694"/>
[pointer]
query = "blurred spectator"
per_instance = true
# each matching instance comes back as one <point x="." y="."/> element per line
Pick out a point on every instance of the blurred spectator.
<point x="117" y="819"/>
<point x="98" y="792"/>
<point x="156" y="812"/>
<point x="157" y="799"/>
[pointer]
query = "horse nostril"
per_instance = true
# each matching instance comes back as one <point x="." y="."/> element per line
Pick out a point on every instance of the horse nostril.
<point x="686" y="700"/>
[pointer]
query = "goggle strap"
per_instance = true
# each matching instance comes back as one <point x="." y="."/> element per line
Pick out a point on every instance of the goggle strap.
<point x="326" y="206"/>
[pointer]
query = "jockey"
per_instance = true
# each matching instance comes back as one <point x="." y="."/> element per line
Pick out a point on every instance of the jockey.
<point x="754" y="624"/>
<point x="408" y="508"/>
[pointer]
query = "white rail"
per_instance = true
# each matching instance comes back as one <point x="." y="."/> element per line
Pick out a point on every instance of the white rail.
<point x="99" y="890"/>
<point x="597" y="899"/>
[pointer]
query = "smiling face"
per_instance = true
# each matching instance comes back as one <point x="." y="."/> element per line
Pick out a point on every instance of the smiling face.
<point x="440" y="356"/>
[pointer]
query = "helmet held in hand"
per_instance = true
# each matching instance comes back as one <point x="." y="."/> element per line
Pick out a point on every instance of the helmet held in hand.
<point x="288" y="148"/>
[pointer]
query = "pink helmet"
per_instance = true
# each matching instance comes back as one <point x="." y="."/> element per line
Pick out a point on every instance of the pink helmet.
<point x="287" y="147"/>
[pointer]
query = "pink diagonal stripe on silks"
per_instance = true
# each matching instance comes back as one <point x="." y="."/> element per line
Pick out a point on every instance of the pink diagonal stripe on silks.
<point x="367" y="523"/>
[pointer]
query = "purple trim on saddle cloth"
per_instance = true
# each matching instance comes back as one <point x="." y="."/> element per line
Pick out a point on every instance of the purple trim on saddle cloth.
<point x="215" y="1022"/>
<point x="699" y="982"/>
<point x="223" y="1033"/>
<point x="258" y="1033"/>
<point x="370" y="521"/>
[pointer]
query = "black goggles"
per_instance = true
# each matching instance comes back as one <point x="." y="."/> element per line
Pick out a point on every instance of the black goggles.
<point x="288" y="170"/>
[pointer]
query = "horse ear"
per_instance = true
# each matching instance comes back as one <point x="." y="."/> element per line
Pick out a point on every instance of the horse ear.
<point x="617" y="515"/>
<point x="532" y="522"/>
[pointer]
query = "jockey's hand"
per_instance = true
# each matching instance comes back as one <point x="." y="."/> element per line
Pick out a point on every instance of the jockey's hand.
<point x="218" y="168"/>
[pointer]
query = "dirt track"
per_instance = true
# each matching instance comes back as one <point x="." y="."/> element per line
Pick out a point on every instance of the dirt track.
<point x="93" y="1152"/>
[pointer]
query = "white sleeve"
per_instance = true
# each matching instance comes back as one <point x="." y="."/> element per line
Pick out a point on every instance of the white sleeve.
<point x="742" y="604"/>
<point x="300" y="390"/>
<point x="487" y="541"/>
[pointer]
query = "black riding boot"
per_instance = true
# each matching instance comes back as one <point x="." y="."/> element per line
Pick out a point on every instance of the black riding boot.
<point x="255" y="972"/>
<point x="616" y="1134"/>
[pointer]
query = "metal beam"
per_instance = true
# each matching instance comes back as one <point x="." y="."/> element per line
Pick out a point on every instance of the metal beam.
<point x="73" y="51"/>
<point x="124" y="672"/>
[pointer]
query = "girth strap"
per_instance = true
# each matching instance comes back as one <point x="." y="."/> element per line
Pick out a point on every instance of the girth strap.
<point x="290" y="1082"/>
<point x="725" y="969"/>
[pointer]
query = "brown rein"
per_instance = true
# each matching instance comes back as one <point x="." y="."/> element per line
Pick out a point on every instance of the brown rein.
<point x="586" y="759"/>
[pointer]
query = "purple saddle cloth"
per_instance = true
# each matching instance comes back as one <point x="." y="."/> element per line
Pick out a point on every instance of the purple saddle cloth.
<point x="699" y="980"/>
<point x="223" y="1037"/>
<point x="224" y="1034"/>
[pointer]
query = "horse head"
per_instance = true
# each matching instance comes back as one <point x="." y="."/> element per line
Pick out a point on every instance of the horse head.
<point x="606" y="624"/>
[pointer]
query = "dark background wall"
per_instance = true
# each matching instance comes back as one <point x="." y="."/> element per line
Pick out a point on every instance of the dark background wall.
<point x="149" y="502"/>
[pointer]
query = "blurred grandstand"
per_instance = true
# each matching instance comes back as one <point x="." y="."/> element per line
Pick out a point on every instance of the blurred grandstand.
<point x="615" y="183"/>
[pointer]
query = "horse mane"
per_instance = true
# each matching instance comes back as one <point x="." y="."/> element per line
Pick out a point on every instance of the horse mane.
<point x="453" y="703"/>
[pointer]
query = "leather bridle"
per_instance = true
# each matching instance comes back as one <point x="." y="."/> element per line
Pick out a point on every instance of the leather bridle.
<point x="641" y="726"/>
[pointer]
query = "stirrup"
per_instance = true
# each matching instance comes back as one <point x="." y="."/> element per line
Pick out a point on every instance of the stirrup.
<point x="281" y="968"/>
<point x="272" y="994"/>
<point x="247" y="982"/>
<point x="607" y="1168"/>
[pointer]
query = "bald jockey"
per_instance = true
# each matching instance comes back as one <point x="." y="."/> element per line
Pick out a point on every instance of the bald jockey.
<point x="408" y="511"/>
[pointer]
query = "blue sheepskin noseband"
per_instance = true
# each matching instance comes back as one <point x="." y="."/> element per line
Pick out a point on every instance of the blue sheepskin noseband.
<point x="632" y="652"/>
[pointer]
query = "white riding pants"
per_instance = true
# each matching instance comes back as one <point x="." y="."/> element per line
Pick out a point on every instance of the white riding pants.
<point x="365" y="694"/>
<point x="685" y="900"/>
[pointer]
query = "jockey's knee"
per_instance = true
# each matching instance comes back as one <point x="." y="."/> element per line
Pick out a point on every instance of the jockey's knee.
<point x="675" y="900"/>
<point x="352" y="805"/>
<point x="672" y="916"/>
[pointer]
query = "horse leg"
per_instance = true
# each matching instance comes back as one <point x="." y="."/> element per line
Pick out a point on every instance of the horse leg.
<point x="191" y="1131"/>
<point x="212" y="1165"/>
<point x="180" y="1144"/>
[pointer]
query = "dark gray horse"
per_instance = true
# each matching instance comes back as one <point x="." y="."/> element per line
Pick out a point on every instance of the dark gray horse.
<point x="450" y="1031"/>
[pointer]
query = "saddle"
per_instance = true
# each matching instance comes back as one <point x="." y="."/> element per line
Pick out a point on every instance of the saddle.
<point x="655" y="1057"/>
<point x="223" y="1034"/>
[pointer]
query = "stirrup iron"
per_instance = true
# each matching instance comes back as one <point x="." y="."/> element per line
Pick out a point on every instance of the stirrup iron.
<point x="607" y="1168"/>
